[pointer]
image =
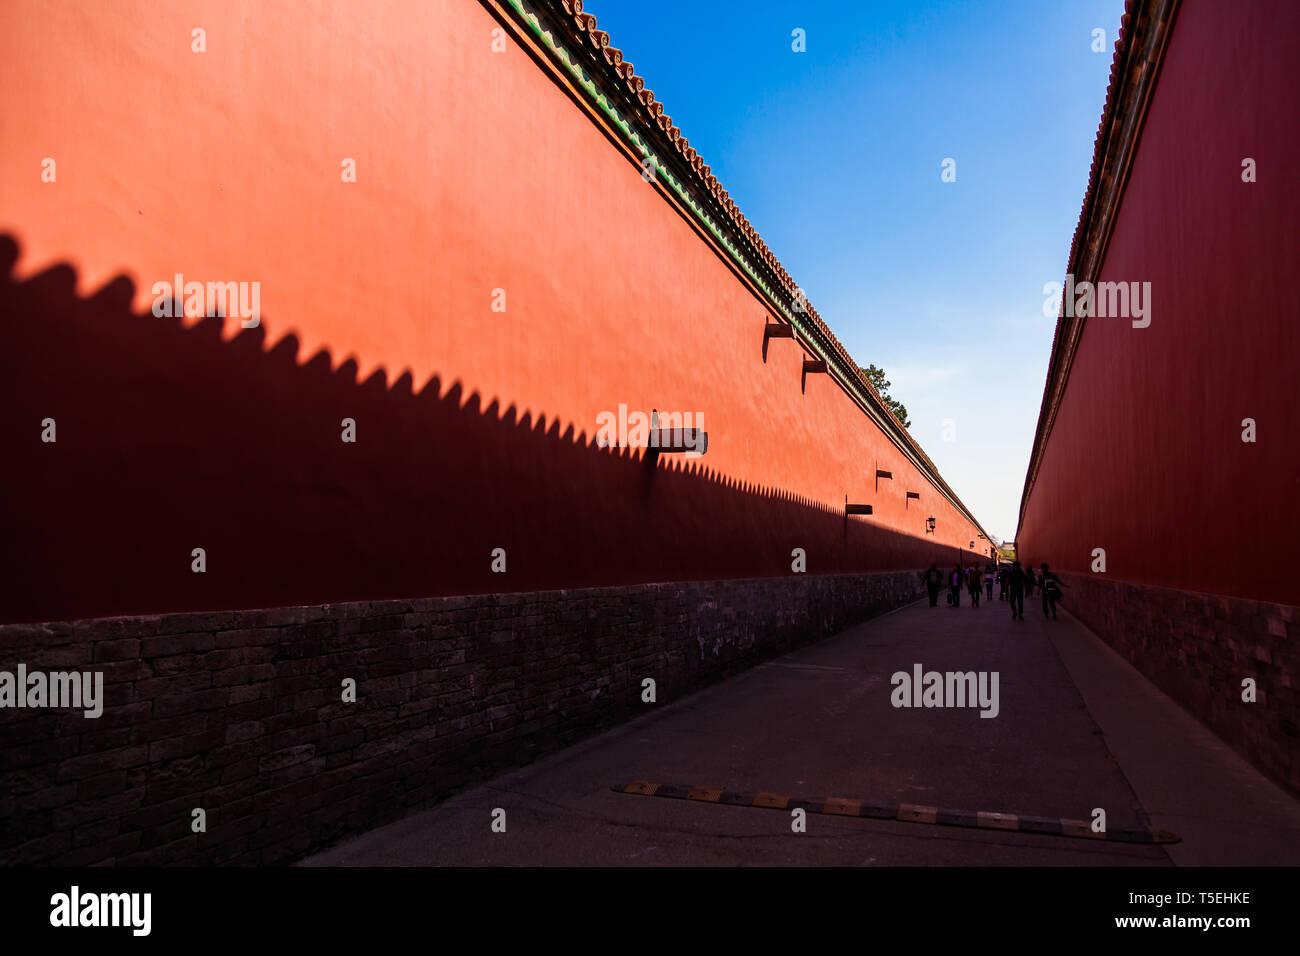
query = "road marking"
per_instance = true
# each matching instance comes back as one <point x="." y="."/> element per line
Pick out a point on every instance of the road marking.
<point x="906" y="812"/>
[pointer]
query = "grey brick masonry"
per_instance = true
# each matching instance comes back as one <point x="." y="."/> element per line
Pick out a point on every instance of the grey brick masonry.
<point x="240" y="713"/>
<point x="1198" y="648"/>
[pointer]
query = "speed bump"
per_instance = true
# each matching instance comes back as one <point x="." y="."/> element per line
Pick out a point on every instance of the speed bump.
<point x="905" y="812"/>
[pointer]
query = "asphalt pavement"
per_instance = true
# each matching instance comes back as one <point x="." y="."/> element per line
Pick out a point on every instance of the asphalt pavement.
<point x="1076" y="730"/>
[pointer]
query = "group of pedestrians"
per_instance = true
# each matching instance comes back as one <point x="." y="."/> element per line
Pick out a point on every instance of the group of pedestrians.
<point x="1015" y="584"/>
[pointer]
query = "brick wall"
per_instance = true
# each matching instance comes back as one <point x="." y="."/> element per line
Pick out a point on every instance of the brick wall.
<point x="1198" y="648"/>
<point x="240" y="713"/>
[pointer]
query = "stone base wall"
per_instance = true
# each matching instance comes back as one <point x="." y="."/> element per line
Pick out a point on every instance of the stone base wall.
<point x="1198" y="648"/>
<point x="241" y="713"/>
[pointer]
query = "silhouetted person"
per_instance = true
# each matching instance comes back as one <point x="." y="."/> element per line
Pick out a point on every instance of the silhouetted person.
<point x="954" y="585"/>
<point x="988" y="581"/>
<point x="1051" y="591"/>
<point x="973" y="585"/>
<point x="932" y="584"/>
<point x="1002" y="583"/>
<point x="1029" y="580"/>
<point x="1016" y="590"/>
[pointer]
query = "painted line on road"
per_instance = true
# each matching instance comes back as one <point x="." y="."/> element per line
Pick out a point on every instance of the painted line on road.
<point x="905" y="812"/>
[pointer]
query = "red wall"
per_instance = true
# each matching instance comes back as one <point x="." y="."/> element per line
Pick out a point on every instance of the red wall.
<point x="475" y="172"/>
<point x="1146" y="459"/>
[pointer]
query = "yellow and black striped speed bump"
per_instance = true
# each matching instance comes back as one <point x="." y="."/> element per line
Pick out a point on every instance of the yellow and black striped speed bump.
<point x="906" y="812"/>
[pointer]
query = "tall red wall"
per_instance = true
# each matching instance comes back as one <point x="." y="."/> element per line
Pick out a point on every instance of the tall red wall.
<point x="1146" y="457"/>
<point x="475" y="428"/>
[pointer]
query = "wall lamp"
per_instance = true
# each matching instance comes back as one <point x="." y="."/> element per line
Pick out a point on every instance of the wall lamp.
<point x="929" y="525"/>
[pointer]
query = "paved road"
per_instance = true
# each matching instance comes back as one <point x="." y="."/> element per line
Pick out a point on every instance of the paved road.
<point x="1076" y="729"/>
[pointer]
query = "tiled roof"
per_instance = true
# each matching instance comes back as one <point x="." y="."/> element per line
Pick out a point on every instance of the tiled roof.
<point x="1099" y="141"/>
<point x="599" y="39"/>
<point x="653" y="114"/>
<point x="1144" y="30"/>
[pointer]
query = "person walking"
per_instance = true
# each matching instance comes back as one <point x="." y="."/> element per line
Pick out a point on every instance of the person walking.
<point x="932" y="584"/>
<point x="1051" y="591"/>
<point x="954" y="585"/>
<point x="1016" y="589"/>
<point x="1002" y="583"/>
<point x="1029" y="580"/>
<point x="988" y="581"/>
<point x="973" y="585"/>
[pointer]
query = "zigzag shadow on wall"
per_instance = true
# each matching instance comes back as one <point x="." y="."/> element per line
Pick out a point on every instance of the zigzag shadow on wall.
<point x="170" y="438"/>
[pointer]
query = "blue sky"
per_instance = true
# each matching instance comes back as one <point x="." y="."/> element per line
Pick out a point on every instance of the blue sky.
<point x="835" y="155"/>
